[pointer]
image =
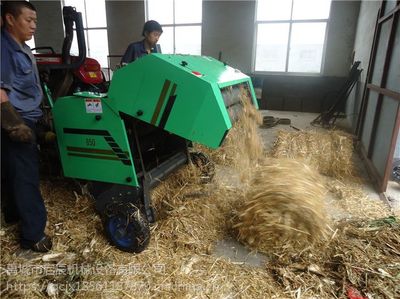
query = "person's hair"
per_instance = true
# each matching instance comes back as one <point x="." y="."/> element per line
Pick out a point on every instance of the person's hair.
<point x="14" y="8"/>
<point x="151" y="26"/>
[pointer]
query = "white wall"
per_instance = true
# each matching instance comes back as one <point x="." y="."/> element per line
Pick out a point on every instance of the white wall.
<point x="365" y="34"/>
<point x="228" y="26"/>
<point x="50" y="28"/>
<point x="340" y="37"/>
<point x="125" y="21"/>
<point x="362" y="50"/>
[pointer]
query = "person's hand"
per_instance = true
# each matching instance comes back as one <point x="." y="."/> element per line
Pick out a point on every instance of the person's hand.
<point x="21" y="133"/>
<point x="13" y="124"/>
<point x="3" y="96"/>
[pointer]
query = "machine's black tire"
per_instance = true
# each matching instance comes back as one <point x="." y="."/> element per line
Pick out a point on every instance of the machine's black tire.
<point x="207" y="167"/>
<point x="396" y="170"/>
<point x="126" y="227"/>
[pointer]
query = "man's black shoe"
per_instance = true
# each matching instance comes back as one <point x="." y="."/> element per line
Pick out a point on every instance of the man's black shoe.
<point x="43" y="245"/>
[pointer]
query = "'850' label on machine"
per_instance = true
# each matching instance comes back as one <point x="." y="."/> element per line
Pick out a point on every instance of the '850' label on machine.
<point x="93" y="106"/>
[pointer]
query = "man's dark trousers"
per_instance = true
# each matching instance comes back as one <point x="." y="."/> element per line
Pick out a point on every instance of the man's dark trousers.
<point x="23" y="200"/>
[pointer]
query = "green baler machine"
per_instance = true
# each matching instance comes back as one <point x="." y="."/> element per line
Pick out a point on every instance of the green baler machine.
<point x="125" y="142"/>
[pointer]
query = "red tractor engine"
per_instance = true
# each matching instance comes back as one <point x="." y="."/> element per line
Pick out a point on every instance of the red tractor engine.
<point x="89" y="72"/>
<point x="64" y="73"/>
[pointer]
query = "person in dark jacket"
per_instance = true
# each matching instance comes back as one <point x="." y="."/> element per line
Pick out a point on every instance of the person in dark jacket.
<point x="152" y="31"/>
<point x="20" y="98"/>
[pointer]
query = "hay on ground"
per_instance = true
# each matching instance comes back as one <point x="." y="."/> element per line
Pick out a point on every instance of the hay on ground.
<point x="360" y="256"/>
<point x="330" y="152"/>
<point x="353" y="201"/>
<point x="284" y="206"/>
<point x="179" y="263"/>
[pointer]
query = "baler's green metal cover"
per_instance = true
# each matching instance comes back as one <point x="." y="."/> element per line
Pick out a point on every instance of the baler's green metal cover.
<point x="178" y="93"/>
<point x="92" y="140"/>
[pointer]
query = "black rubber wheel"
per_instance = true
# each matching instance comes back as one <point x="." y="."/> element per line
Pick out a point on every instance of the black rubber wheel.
<point x="126" y="227"/>
<point x="396" y="170"/>
<point x="207" y="167"/>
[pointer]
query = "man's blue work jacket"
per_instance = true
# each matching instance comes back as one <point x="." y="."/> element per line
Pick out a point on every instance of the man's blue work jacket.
<point x="20" y="78"/>
<point x="134" y="51"/>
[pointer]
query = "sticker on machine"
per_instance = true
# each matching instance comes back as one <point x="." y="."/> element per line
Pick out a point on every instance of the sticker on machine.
<point x="93" y="106"/>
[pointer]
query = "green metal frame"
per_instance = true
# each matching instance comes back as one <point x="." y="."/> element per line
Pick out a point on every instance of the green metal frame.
<point x="145" y="88"/>
<point x="93" y="146"/>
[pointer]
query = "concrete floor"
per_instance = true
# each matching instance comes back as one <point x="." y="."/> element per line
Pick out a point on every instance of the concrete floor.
<point x="237" y="253"/>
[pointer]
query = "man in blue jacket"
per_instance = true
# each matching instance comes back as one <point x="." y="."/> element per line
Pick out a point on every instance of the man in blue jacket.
<point x="152" y="31"/>
<point x="20" y="97"/>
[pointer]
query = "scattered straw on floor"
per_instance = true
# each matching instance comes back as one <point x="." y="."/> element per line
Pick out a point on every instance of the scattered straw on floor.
<point x="360" y="257"/>
<point x="191" y="218"/>
<point x="352" y="199"/>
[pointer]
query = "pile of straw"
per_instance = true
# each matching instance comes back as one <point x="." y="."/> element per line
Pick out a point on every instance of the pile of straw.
<point x="284" y="206"/>
<point x="330" y="152"/>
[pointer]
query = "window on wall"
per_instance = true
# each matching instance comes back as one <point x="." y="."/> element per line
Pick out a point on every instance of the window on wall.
<point x="95" y="27"/>
<point x="31" y="42"/>
<point x="181" y="22"/>
<point x="290" y="35"/>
